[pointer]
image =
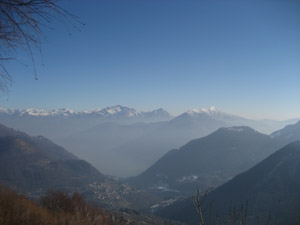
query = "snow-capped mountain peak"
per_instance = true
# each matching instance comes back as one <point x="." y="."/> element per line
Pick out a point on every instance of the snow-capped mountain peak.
<point x="209" y="111"/>
<point x="117" y="110"/>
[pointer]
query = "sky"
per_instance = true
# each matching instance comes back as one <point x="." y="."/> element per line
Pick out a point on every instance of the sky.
<point x="242" y="56"/>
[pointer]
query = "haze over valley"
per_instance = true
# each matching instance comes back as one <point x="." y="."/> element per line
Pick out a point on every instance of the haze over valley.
<point x="126" y="137"/>
<point x="33" y="165"/>
<point x="144" y="112"/>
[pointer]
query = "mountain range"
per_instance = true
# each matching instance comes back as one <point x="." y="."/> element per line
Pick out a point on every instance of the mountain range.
<point x="123" y="136"/>
<point x="111" y="112"/>
<point x="57" y="123"/>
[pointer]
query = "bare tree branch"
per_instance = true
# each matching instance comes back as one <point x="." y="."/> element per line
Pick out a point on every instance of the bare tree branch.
<point x="21" y="23"/>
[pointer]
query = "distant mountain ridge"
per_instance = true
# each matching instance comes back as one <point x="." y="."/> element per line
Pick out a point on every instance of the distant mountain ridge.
<point x="112" y="111"/>
<point x="227" y="119"/>
<point x="59" y="123"/>
<point x="211" y="111"/>
<point x="289" y="133"/>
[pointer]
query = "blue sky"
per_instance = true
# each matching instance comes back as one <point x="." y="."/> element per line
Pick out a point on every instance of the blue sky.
<point x="241" y="56"/>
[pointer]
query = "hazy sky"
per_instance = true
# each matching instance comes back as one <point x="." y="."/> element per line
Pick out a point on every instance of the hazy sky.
<point x="241" y="56"/>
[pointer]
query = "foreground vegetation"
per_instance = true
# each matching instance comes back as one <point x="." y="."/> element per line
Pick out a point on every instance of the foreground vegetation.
<point x="55" y="207"/>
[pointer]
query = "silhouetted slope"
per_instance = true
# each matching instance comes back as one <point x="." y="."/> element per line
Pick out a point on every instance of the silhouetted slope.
<point x="45" y="146"/>
<point x="35" y="163"/>
<point x="272" y="186"/>
<point x="208" y="161"/>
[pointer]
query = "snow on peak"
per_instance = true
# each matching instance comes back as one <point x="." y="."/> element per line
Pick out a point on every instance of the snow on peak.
<point x="213" y="109"/>
<point x="2" y="110"/>
<point x="42" y="112"/>
<point x="209" y="111"/>
<point x="119" y="110"/>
